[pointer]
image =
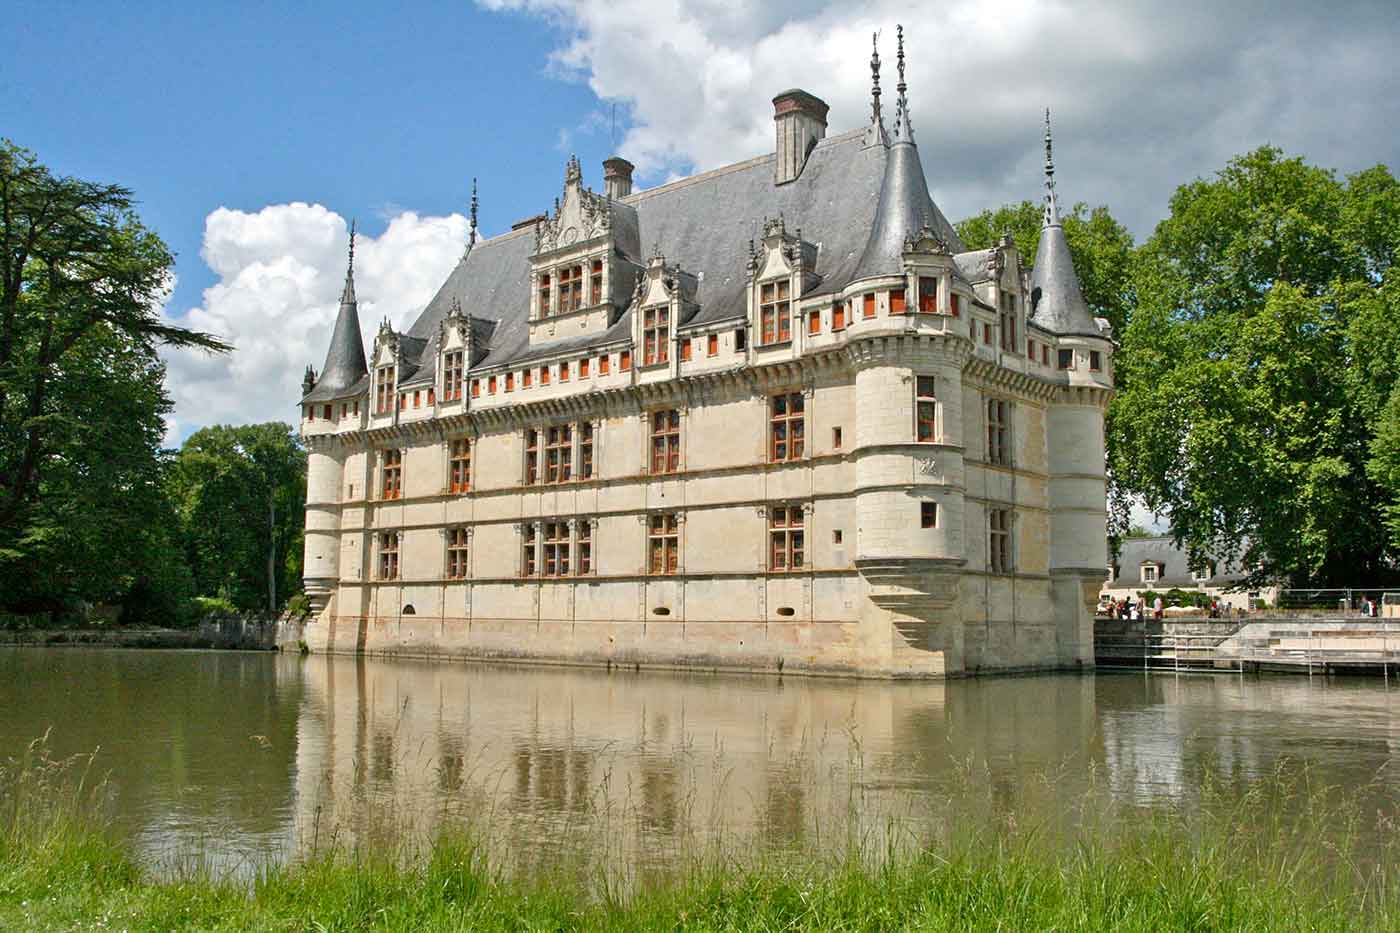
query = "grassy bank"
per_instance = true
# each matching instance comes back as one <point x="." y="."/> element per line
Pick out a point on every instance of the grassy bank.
<point x="60" y="869"/>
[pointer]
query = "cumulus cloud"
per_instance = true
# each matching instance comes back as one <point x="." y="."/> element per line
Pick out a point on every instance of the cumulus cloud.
<point x="1146" y="95"/>
<point x="280" y="274"/>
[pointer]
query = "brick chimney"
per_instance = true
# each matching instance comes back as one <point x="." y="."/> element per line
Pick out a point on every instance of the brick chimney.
<point x="617" y="177"/>
<point x="800" y="121"/>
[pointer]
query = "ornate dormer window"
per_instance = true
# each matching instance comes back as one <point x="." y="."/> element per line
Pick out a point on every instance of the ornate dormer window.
<point x="384" y="390"/>
<point x="583" y="266"/>
<point x="664" y="299"/>
<point x="779" y="272"/>
<point x="386" y="359"/>
<point x="929" y="262"/>
<point x="656" y="334"/>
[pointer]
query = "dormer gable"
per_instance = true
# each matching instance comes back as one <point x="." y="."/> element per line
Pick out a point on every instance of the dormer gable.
<point x="584" y="263"/>
<point x="781" y="268"/>
<point x="664" y="299"/>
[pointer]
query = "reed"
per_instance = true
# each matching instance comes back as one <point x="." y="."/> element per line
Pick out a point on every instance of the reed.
<point x="1279" y="856"/>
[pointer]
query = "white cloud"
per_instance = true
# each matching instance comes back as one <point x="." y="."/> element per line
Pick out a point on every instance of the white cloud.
<point x="281" y="271"/>
<point x="1146" y="95"/>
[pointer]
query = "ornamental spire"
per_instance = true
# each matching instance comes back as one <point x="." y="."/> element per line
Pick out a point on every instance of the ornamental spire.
<point x="903" y="129"/>
<point x="1052" y="207"/>
<point x="471" y="233"/>
<point x="875" y="115"/>
<point x="347" y="295"/>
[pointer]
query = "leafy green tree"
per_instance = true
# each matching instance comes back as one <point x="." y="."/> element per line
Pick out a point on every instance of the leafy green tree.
<point x="240" y="493"/>
<point x="81" y="397"/>
<point x="1257" y="365"/>
<point x="1101" y="247"/>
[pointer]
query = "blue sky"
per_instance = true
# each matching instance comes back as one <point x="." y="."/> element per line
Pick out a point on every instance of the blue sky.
<point x="251" y="133"/>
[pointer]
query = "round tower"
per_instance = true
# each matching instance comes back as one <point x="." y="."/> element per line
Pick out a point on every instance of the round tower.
<point x="321" y="557"/>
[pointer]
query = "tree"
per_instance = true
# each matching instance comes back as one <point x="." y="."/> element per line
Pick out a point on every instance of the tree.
<point x="1101" y="247"/>
<point x="81" y="396"/>
<point x="1258" y="365"/>
<point x="240" y="493"/>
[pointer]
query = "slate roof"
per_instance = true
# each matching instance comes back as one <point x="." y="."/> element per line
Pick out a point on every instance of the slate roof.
<point x="345" y="369"/>
<point x="1134" y="552"/>
<point x="1057" y="304"/>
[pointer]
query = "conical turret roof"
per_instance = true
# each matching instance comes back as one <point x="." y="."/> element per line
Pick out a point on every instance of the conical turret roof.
<point x="345" y="358"/>
<point x="1057" y="303"/>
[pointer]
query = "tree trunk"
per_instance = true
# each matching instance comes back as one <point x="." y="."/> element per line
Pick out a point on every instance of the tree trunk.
<point x="272" y="553"/>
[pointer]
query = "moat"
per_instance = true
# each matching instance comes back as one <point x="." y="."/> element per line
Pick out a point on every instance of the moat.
<point x="248" y="757"/>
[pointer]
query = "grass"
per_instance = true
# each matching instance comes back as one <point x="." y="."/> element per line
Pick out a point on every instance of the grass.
<point x="1241" y="866"/>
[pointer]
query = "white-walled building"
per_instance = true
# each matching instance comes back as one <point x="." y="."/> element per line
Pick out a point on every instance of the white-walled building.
<point x="773" y="416"/>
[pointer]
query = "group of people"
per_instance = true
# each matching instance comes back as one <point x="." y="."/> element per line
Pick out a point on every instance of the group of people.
<point x="1134" y="610"/>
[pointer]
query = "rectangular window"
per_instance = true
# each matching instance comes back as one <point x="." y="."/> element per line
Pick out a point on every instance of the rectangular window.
<point x="897" y="305"/>
<point x="604" y="364"/>
<point x="544" y="295"/>
<point x="310" y="413"/>
<point x="1044" y="354"/>
<point x="712" y="345"/>
<point x="868" y="305"/>
<point x="527" y="378"/>
<point x="741" y="340"/>
<point x="925" y="410"/>
<point x="785" y="538"/>
<point x="928" y="514"/>
<point x="510" y="382"/>
<point x="838" y="316"/>
<point x="624" y="360"/>
<point x="532" y="456"/>
<point x="357" y="407"/>
<point x="666" y="441"/>
<point x="388" y="555"/>
<point x="384" y="390"/>
<point x="774" y="312"/>
<point x="999" y="541"/>
<point x="585" y="450"/>
<point x="1095" y="361"/>
<point x="663" y="543"/>
<point x="835" y="438"/>
<point x="1008" y="322"/>
<point x="403" y="401"/>
<point x="417" y="398"/>
<point x="997" y="449"/>
<point x="928" y="295"/>
<point x="583" y="367"/>
<point x="814" y="322"/>
<point x="431" y="398"/>
<point x="558" y="453"/>
<point x="955" y="304"/>
<point x="1149" y="573"/>
<point x="1030" y="350"/>
<point x="544" y="375"/>
<point x="1066" y="359"/>
<point x="785" y="427"/>
<point x="527" y="551"/>
<point x="392" y="486"/>
<point x="460" y="466"/>
<point x="595" y="286"/>
<point x="836" y="536"/>
<point x="584" y="544"/>
<point x="685" y="349"/>
<point x="564" y="372"/>
<point x="987" y="334"/>
<point x="344" y="409"/>
<point x="456" y="553"/>
<point x="490" y="385"/>
<point x="570" y="289"/>
<point x="556" y="549"/>
<point x="476" y="388"/>
<point x="326" y="410"/>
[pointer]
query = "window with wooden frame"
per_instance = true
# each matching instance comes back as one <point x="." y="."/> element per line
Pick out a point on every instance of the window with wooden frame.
<point x="456" y="553"/>
<point x="490" y="386"/>
<point x="987" y="333"/>
<point x="712" y="345"/>
<point x="656" y="331"/>
<point x="459" y="472"/>
<point x="527" y="550"/>
<point x="545" y="309"/>
<point x="925" y="410"/>
<point x="1030" y="349"/>
<point x="583" y="365"/>
<point x="624" y="360"/>
<point x="570" y="289"/>
<point x="836" y="438"/>
<point x="357" y="407"/>
<point x="532" y="456"/>
<point x="431" y="397"/>
<point x="476" y="388"/>
<point x="741" y="340"/>
<point x="814" y="322"/>
<point x="527" y="378"/>
<point x="928" y="294"/>
<point x="391" y="472"/>
<point x="327" y="413"/>
<point x="1095" y="361"/>
<point x="897" y="302"/>
<point x="417" y="398"/>
<point x="1008" y="322"/>
<point x="604" y="364"/>
<point x="555" y="544"/>
<point x="955" y="304"/>
<point x="685" y="349"/>
<point x="544" y="375"/>
<point x="1149" y="573"/>
<point x="510" y="382"/>
<point x="998" y="450"/>
<point x="1044" y="354"/>
<point x="786" y="541"/>
<point x="868" y="305"/>
<point x="564" y="371"/>
<point x="384" y="390"/>
<point x="774" y="312"/>
<point x="663" y="543"/>
<point x="1066" y="359"/>
<point x="452" y="376"/>
<point x="595" y="283"/>
<point x="585" y="450"/>
<point x="388" y="555"/>
<point x="928" y="514"/>
<point x="403" y="401"/>
<point x="583" y="544"/>
<point x="666" y="441"/>
<point x="786" y="426"/>
<point x="999" y="540"/>
<point x="558" y="453"/>
<point x="838" y="316"/>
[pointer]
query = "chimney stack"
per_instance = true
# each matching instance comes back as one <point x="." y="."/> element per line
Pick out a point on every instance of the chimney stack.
<point x="800" y="119"/>
<point x="617" y="177"/>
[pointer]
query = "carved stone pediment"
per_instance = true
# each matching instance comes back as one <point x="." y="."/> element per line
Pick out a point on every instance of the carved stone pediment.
<point x="579" y="215"/>
<point x="926" y="240"/>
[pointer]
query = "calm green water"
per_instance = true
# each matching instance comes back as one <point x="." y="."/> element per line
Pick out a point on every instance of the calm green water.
<point x="246" y="757"/>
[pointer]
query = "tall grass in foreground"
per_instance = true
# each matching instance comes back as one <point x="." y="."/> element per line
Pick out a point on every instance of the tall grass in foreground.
<point x="1276" y="858"/>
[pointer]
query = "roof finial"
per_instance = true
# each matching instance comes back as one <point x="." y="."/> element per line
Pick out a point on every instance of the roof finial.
<point x="1052" y="207"/>
<point x="903" y="129"/>
<point x="350" y="269"/>
<point x="347" y="295"/>
<point x="471" y="235"/>
<point x="875" y="77"/>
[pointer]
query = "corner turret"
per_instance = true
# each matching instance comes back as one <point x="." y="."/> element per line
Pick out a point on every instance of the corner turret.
<point x="1057" y="303"/>
<point x="345" y="358"/>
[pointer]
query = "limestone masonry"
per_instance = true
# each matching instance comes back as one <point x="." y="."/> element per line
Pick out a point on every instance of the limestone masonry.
<point x="771" y="417"/>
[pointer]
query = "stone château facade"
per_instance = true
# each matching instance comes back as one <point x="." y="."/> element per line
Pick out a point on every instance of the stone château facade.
<point x="770" y="417"/>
